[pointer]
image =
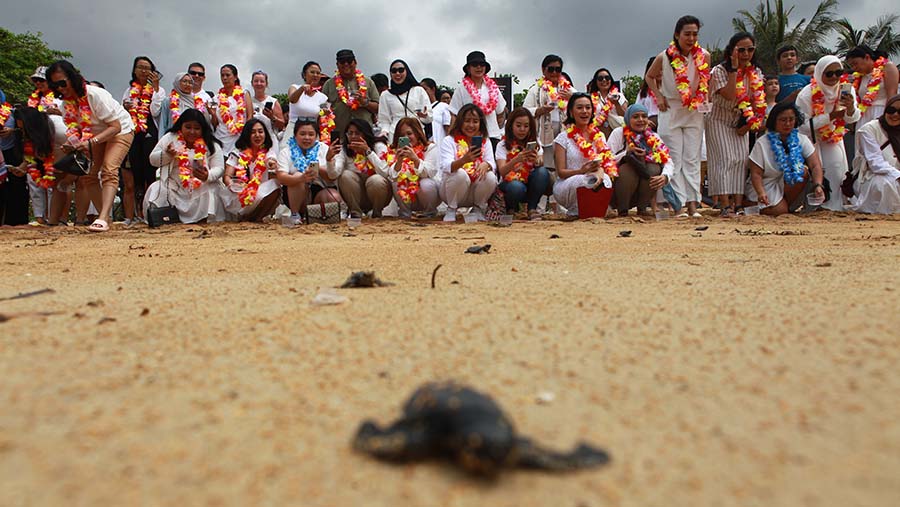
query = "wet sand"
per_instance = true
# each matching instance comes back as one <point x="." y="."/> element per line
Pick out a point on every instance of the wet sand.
<point x="750" y="364"/>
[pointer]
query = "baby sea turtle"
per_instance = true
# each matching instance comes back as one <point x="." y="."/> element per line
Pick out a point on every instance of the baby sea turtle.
<point x="362" y="279"/>
<point x="453" y="421"/>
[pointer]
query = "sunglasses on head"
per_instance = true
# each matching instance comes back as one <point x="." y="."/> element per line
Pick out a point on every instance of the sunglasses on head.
<point x="196" y="73"/>
<point x="891" y="110"/>
<point x="833" y="73"/>
<point x="746" y="50"/>
<point x="604" y="78"/>
<point x="398" y="70"/>
<point x="554" y="69"/>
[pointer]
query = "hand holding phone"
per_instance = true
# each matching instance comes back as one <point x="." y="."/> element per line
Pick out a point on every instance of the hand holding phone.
<point x="403" y="142"/>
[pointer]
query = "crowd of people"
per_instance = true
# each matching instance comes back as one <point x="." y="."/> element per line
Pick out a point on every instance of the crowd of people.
<point x="364" y="146"/>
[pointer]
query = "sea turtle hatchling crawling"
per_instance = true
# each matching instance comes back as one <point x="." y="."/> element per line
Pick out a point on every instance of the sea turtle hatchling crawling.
<point x="453" y="421"/>
<point x="364" y="279"/>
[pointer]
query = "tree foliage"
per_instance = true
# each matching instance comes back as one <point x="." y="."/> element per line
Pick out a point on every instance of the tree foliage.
<point x="631" y="85"/>
<point x="20" y="54"/>
<point x="881" y="36"/>
<point x="770" y="24"/>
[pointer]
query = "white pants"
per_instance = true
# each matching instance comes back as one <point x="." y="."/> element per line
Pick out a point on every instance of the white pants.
<point x="682" y="131"/>
<point x="427" y="198"/>
<point x="39" y="198"/>
<point x="458" y="190"/>
<point x="566" y="192"/>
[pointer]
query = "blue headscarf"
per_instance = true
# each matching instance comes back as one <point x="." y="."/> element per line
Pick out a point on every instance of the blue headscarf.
<point x="632" y="109"/>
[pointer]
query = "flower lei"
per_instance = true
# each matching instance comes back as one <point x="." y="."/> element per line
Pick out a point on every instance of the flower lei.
<point x="462" y="147"/>
<point x="251" y="188"/>
<point x="301" y="161"/>
<point x="175" y="104"/>
<point x="41" y="101"/>
<point x="185" y="171"/>
<point x="873" y="87"/>
<point x="603" y="111"/>
<point x="78" y="118"/>
<point x="682" y="83"/>
<point x="658" y="152"/>
<point x="362" y="164"/>
<point x="553" y="91"/>
<point x="520" y="173"/>
<point x="140" y="97"/>
<point x="407" y="179"/>
<point x="235" y="123"/>
<point x="5" y="111"/>
<point x="475" y="93"/>
<point x="326" y="125"/>
<point x="594" y="148"/>
<point x="753" y="108"/>
<point x="44" y="179"/>
<point x="790" y="163"/>
<point x="345" y="97"/>
<point x="833" y="132"/>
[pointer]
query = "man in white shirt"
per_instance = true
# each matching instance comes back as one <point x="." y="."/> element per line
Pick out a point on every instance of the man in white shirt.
<point x="198" y="74"/>
<point x="441" y="117"/>
<point x="489" y="99"/>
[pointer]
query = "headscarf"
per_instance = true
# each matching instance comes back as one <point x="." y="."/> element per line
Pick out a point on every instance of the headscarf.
<point x="893" y="132"/>
<point x="185" y="100"/>
<point x="632" y="110"/>
<point x="831" y="92"/>
<point x="410" y="82"/>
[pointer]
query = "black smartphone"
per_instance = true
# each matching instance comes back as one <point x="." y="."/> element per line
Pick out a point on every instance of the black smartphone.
<point x="477" y="142"/>
<point x="268" y="105"/>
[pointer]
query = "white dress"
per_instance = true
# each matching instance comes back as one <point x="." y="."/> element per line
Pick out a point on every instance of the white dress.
<point x="268" y="185"/>
<point x="565" y="190"/>
<point x="876" y="189"/>
<point x="834" y="156"/>
<point x="772" y="177"/>
<point x="193" y="205"/>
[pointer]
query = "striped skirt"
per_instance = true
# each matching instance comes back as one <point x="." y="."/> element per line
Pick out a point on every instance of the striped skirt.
<point x="727" y="155"/>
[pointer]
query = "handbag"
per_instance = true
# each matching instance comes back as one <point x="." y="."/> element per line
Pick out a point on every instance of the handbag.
<point x="162" y="215"/>
<point x="76" y="163"/>
<point x="327" y="213"/>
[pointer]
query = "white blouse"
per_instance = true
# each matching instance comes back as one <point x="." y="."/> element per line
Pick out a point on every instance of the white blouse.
<point x="391" y="108"/>
<point x="307" y="106"/>
<point x="343" y="162"/>
<point x="105" y="109"/>
<point x="461" y="97"/>
<point x="448" y="154"/>
<point x="286" y="163"/>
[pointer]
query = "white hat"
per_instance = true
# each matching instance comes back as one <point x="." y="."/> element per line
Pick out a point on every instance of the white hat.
<point x="40" y="73"/>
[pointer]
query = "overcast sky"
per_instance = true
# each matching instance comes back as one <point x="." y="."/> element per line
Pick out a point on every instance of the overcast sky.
<point x="278" y="36"/>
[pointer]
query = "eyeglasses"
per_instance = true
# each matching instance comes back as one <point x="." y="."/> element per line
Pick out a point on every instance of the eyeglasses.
<point x="891" y="110"/>
<point x="746" y="50"/>
<point x="196" y="73"/>
<point x="478" y="64"/>
<point x="553" y="69"/>
<point x="787" y="119"/>
<point x="833" y="73"/>
<point x="398" y="70"/>
<point x="604" y="78"/>
<point x="346" y="61"/>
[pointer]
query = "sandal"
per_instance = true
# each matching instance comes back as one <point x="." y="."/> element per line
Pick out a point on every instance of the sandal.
<point x="726" y="212"/>
<point x="99" y="226"/>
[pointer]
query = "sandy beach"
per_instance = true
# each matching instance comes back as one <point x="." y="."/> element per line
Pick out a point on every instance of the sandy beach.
<point x="749" y="364"/>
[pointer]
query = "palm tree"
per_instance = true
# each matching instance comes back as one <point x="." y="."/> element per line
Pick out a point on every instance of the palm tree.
<point x="772" y="28"/>
<point x="880" y="36"/>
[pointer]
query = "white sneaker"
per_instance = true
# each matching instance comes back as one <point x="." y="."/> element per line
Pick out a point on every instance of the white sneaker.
<point x="479" y="215"/>
<point x="450" y="215"/>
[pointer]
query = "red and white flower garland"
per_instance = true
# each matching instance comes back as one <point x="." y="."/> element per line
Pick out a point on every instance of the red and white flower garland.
<point x="682" y="83"/>
<point x="251" y="176"/>
<point x="44" y="179"/>
<point x="522" y="171"/>
<point x="874" y="86"/>
<point x="553" y="91"/>
<point x="475" y="93"/>
<point x="462" y="147"/>
<point x="658" y="153"/>
<point x="185" y="156"/>
<point x="41" y="101"/>
<point x="234" y="123"/>
<point x="594" y="149"/>
<point x="175" y="104"/>
<point x="77" y="118"/>
<point x="833" y="132"/>
<point x="140" y="98"/>
<point x="344" y="95"/>
<point x="752" y="104"/>
<point x="602" y="112"/>
<point x="407" y="178"/>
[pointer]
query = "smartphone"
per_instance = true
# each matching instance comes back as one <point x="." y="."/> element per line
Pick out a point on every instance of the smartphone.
<point x="531" y="146"/>
<point x="845" y="88"/>
<point x="403" y="143"/>
<point x="268" y="105"/>
<point x="477" y="141"/>
<point x="313" y="166"/>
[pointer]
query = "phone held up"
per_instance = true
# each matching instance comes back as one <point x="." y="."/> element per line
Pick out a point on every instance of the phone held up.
<point x="477" y="141"/>
<point x="403" y="142"/>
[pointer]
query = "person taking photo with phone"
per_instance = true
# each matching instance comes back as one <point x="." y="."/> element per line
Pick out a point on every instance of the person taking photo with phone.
<point x="265" y="106"/>
<point x="523" y="178"/>
<point x="413" y="167"/>
<point x="143" y="100"/>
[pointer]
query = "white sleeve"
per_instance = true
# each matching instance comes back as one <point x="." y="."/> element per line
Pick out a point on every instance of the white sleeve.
<point x="216" y="166"/>
<point x="501" y="106"/>
<point x="432" y="164"/>
<point x="502" y="152"/>
<point x="423" y="103"/>
<point x="159" y="157"/>
<point x="532" y="99"/>
<point x="874" y="156"/>
<point x="457" y="101"/>
<point x="380" y="165"/>
<point x="159" y="97"/>
<point x="284" y="159"/>
<point x="448" y="154"/>
<point x="126" y="95"/>
<point x="488" y="156"/>
<point x="384" y="113"/>
<point x="804" y="104"/>
<point x="336" y="166"/>
<point x="616" y="143"/>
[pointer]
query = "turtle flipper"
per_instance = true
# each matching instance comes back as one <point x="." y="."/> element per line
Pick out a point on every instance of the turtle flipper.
<point x="529" y="455"/>
<point x="402" y="441"/>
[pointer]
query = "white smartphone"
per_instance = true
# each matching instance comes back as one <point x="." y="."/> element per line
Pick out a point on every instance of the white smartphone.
<point x="313" y="166"/>
<point x="531" y="146"/>
<point x="846" y="88"/>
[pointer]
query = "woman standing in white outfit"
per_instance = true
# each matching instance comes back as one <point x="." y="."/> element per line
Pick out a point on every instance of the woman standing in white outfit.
<point x="680" y="109"/>
<point x="233" y="107"/>
<point x="831" y="107"/>
<point x="405" y="99"/>
<point x="308" y="101"/>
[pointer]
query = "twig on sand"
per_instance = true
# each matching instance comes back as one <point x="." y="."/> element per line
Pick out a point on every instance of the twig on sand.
<point x="10" y="316"/>
<point x="434" y="273"/>
<point x="23" y="295"/>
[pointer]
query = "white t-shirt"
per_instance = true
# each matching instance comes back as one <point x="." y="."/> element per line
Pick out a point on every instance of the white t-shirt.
<point x="503" y="153"/>
<point x="307" y="106"/>
<point x="574" y="158"/>
<point x="440" y="123"/>
<point x="105" y="109"/>
<point x="461" y="97"/>
<point x="286" y="163"/>
<point x="448" y="154"/>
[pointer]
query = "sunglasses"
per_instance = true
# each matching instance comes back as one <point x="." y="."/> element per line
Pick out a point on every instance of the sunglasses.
<point x="746" y="50"/>
<point x="38" y="80"/>
<point x="346" y="61"/>
<point x="833" y="73"/>
<point x="398" y="70"/>
<point x="197" y="73"/>
<point x="554" y="69"/>
<point x="604" y="78"/>
<point x="891" y="110"/>
<point x="62" y="83"/>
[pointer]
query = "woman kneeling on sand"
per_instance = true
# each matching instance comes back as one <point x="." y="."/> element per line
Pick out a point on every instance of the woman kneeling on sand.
<point x="782" y="163"/>
<point x="191" y="164"/>
<point x="253" y="195"/>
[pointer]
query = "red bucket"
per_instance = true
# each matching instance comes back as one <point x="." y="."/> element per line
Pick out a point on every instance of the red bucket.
<point x="593" y="204"/>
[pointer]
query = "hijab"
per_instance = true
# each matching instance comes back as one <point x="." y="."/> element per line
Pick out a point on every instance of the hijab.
<point x="185" y="100"/>
<point x="632" y="110"/>
<point x="410" y="82"/>
<point x="831" y="92"/>
<point x="893" y="133"/>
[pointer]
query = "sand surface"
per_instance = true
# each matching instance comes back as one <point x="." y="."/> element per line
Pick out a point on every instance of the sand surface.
<point x="717" y="368"/>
